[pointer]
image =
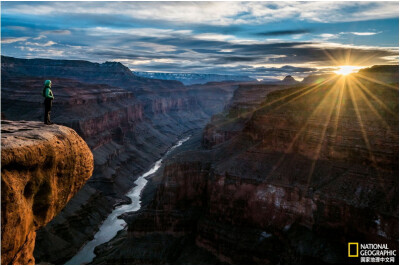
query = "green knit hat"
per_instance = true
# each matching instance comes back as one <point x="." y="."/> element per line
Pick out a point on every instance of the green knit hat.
<point x="47" y="83"/>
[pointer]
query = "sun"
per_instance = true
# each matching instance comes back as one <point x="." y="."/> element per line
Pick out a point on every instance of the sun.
<point x="345" y="70"/>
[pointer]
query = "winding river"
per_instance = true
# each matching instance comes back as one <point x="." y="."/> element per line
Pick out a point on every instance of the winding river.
<point x="112" y="224"/>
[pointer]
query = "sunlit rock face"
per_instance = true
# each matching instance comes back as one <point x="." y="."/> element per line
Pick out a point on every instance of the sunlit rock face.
<point x="310" y="169"/>
<point x="42" y="168"/>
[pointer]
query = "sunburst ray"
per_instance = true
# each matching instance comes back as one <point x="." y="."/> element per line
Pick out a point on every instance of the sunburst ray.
<point x="325" y="127"/>
<point x="290" y="146"/>
<point x="361" y="93"/>
<point x="379" y="101"/>
<point x="365" y="137"/>
<point x="303" y="91"/>
<point x="377" y="81"/>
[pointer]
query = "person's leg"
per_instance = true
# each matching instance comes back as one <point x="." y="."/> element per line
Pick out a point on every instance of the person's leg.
<point x="47" y="108"/>
<point x="50" y="105"/>
<point x="46" y="111"/>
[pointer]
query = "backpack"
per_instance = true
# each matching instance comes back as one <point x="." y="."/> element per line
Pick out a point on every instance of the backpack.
<point x="44" y="92"/>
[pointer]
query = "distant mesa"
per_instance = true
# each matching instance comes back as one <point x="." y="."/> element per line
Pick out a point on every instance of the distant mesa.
<point x="289" y="80"/>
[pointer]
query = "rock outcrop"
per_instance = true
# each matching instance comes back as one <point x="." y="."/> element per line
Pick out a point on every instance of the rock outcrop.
<point x="312" y="168"/>
<point x="42" y="168"/>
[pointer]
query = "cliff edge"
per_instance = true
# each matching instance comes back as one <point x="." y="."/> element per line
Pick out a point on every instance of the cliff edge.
<point x="42" y="167"/>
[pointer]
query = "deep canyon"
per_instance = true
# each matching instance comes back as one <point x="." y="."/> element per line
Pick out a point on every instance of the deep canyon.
<point x="285" y="175"/>
<point x="127" y="121"/>
<point x="273" y="173"/>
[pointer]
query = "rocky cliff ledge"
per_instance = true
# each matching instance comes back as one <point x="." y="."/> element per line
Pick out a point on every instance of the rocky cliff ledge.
<point x="42" y="167"/>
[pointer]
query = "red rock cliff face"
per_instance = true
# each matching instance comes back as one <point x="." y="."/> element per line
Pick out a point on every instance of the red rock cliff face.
<point x="43" y="167"/>
<point x="314" y="167"/>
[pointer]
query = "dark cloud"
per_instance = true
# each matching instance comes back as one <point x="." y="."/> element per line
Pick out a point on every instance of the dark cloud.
<point x="210" y="51"/>
<point x="128" y="54"/>
<point x="167" y="67"/>
<point x="284" y="32"/>
<point x="61" y="32"/>
<point x="234" y="59"/>
<point x="230" y="30"/>
<point x="287" y="69"/>
<point x="186" y="41"/>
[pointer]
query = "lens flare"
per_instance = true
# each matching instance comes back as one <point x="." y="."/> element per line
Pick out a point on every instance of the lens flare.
<point x="345" y="70"/>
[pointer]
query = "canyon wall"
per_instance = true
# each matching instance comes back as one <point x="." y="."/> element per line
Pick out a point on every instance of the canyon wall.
<point x="127" y="121"/>
<point x="229" y="123"/>
<point x="42" y="168"/>
<point x="290" y="179"/>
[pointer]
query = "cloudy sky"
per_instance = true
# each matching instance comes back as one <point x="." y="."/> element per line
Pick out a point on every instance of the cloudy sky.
<point x="259" y="39"/>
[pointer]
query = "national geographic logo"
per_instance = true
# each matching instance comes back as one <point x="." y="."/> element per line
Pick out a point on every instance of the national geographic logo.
<point x="353" y="249"/>
<point x="371" y="253"/>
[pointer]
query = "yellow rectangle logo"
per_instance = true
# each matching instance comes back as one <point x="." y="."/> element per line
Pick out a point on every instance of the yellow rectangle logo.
<point x="353" y="249"/>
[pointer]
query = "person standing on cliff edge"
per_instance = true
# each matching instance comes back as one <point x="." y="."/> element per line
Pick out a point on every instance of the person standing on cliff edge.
<point x="48" y="100"/>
